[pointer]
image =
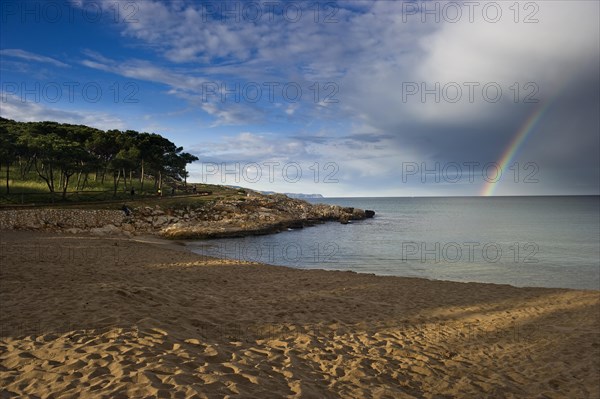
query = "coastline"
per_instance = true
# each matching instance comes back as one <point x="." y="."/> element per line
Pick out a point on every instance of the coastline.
<point x="186" y="246"/>
<point x="145" y="316"/>
<point x="185" y="217"/>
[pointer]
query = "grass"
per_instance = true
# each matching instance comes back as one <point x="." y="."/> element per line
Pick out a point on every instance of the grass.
<point x="33" y="192"/>
<point x="175" y="202"/>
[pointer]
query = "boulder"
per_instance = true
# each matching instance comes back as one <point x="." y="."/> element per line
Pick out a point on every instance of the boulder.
<point x="128" y="227"/>
<point x="106" y="230"/>
<point x="160" y="221"/>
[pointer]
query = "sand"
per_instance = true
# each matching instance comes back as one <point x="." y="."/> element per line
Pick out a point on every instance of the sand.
<point x="111" y="318"/>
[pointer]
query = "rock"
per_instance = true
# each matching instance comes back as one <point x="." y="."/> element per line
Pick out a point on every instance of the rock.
<point x="141" y="225"/>
<point x="127" y="227"/>
<point x="369" y="214"/>
<point x="257" y="214"/>
<point x="296" y="225"/>
<point x="106" y="230"/>
<point x="358" y="214"/>
<point x="224" y="208"/>
<point x="160" y="221"/>
<point x="58" y="219"/>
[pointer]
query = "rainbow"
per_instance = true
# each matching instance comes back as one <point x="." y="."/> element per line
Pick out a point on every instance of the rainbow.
<point x="517" y="141"/>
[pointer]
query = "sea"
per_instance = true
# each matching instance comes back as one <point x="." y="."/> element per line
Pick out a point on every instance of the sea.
<point x="521" y="241"/>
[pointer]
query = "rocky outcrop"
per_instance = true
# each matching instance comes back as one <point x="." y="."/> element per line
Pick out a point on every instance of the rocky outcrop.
<point x="256" y="214"/>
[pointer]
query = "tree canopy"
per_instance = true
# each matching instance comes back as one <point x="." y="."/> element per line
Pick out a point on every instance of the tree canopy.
<point x="58" y="151"/>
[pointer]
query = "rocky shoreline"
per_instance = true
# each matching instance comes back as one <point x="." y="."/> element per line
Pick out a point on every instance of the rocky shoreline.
<point x="255" y="214"/>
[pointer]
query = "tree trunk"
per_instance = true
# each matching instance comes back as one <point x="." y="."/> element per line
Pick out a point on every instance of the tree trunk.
<point x="116" y="177"/>
<point x="51" y="173"/>
<point x="7" y="177"/>
<point x="85" y="180"/>
<point x="66" y="185"/>
<point x="47" y="178"/>
<point x="21" y="172"/>
<point x="142" y="177"/>
<point x="78" y="181"/>
<point x="124" y="180"/>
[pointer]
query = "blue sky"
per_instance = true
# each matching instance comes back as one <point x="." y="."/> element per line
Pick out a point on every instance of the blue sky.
<point x="352" y="98"/>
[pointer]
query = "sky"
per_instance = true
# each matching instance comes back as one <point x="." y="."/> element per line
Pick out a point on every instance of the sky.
<point x="348" y="98"/>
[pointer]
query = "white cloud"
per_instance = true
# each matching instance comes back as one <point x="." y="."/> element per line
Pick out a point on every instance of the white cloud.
<point x="369" y="53"/>
<point x="144" y="70"/>
<point x="28" y="56"/>
<point x="548" y="53"/>
<point x="14" y="108"/>
<point x="328" y="165"/>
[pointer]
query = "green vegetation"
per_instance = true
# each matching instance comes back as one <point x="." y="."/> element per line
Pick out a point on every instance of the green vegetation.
<point x="48" y="161"/>
<point x="87" y="200"/>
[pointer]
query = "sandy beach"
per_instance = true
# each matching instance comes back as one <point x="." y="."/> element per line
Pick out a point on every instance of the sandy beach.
<point x="116" y="318"/>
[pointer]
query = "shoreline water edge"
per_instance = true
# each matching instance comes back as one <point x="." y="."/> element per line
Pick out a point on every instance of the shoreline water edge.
<point x="142" y="316"/>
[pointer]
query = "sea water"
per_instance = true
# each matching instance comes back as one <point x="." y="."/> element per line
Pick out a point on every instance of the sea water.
<point x="522" y="241"/>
